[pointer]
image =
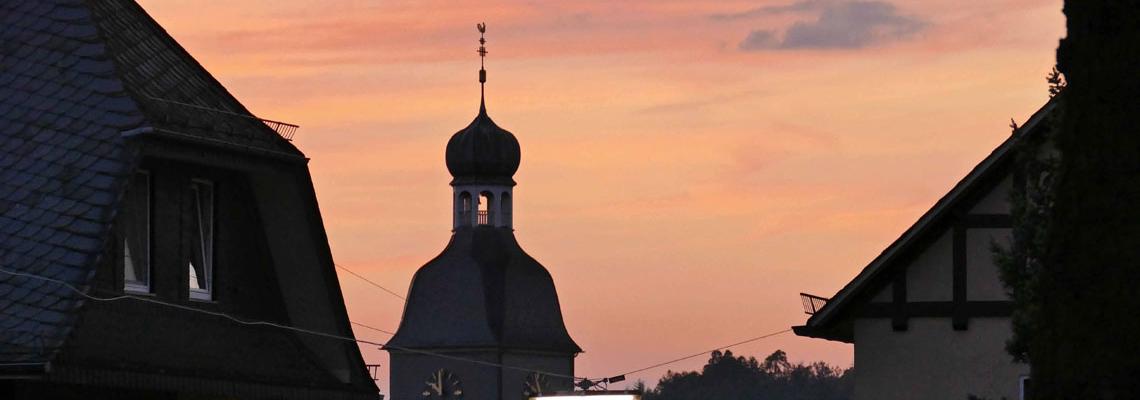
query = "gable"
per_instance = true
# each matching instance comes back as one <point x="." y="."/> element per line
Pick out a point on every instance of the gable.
<point x="929" y="273"/>
<point x="978" y="201"/>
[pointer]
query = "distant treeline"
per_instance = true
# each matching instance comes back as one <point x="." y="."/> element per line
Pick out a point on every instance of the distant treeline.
<point x="726" y="377"/>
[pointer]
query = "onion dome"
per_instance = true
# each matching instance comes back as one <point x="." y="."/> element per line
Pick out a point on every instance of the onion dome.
<point x="483" y="153"/>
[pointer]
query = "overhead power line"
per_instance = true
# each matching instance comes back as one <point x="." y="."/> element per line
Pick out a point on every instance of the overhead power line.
<point x="72" y="288"/>
<point x="234" y="319"/>
<point x="372" y="328"/>
<point x="661" y="364"/>
<point x="389" y="291"/>
<point x="746" y="341"/>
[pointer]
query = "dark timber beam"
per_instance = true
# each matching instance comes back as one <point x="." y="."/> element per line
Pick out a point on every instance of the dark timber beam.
<point x="937" y="309"/>
<point x="960" y="317"/>
<point x="898" y="316"/>
<point x="981" y="221"/>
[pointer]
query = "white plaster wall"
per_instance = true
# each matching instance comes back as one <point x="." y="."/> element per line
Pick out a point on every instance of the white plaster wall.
<point x="997" y="200"/>
<point x="930" y="276"/>
<point x="983" y="281"/>
<point x="886" y="295"/>
<point x="932" y="361"/>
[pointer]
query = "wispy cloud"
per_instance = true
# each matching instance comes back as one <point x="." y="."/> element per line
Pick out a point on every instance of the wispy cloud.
<point x="696" y="103"/>
<point x="799" y="6"/>
<point x="840" y="25"/>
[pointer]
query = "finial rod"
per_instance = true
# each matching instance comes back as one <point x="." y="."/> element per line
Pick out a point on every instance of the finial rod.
<point x="482" y="26"/>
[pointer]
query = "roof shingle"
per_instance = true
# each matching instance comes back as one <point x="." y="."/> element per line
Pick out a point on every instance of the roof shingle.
<point x="58" y="98"/>
<point x="74" y="75"/>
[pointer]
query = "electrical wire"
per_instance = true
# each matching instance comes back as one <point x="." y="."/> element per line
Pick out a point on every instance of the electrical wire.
<point x="372" y="328"/>
<point x="632" y="372"/>
<point x="363" y="341"/>
<point x="71" y="287"/>
<point x="371" y="282"/>
<point x="662" y="364"/>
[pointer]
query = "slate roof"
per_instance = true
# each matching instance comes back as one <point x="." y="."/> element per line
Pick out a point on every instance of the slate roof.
<point x="176" y="93"/>
<point x="826" y="323"/>
<point x="74" y="76"/>
<point x="483" y="291"/>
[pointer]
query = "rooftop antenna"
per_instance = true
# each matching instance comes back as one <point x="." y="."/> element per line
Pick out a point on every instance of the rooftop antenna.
<point x="482" y="26"/>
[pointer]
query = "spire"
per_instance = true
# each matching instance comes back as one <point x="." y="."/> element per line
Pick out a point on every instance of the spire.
<point x="482" y="26"/>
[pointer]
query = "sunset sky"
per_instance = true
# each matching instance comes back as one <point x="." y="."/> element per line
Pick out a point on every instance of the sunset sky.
<point x="688" y="167"/>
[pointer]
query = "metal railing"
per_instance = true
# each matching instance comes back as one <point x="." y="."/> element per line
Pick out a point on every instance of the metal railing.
<point x="812" y="303"/>
<point x="284" y="129"/>
<point x="483" y="217"/>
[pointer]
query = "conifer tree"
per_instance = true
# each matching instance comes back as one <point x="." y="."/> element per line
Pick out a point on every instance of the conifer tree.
<point x="1085" y="337"/>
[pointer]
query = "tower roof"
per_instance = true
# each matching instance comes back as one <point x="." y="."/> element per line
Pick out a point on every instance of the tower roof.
<point x="483" y="152"/>
<point x="483" y="291"/>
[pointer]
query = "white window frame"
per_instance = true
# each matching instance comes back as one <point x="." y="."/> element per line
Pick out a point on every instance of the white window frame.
<point x="207" y="293"/>
<point x="130" y="285"/>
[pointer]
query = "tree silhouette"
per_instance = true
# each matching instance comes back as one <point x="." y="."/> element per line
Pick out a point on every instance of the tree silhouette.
<point x="728" y="377"/>
<point x="1074" y="285"/>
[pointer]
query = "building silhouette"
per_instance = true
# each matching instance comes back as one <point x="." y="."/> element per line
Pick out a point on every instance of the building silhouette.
<point x="482" y="319"/>
<point x="141" y="205"/>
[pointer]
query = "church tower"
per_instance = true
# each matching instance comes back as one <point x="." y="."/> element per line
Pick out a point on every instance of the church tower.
<point x="483" y="316"/>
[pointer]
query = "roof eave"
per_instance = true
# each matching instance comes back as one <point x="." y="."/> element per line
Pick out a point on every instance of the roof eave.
<point x="812" y="332"/>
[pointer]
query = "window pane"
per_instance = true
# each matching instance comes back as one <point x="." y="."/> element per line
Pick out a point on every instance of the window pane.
<point x="136" y="234"/>
<point x="201" y="263"/>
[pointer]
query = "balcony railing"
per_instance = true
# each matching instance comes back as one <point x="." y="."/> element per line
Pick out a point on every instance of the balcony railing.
<point x="812" y="303"/>
<point x="284" y="129"/>
<point x="483" y="217"/>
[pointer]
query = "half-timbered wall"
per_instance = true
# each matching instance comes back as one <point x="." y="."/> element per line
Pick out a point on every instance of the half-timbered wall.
<point x="937" y="328"/>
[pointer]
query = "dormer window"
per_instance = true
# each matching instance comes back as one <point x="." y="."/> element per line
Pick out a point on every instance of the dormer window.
<point x="135" y="227"/>
<point x="201" y="263"/>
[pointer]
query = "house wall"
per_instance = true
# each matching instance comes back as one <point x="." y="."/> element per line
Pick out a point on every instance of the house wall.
<point x="997" y="200"/>
<point x="915" y="349"/>
<point x="928" y="277"/>
<point x="932" y="361"/>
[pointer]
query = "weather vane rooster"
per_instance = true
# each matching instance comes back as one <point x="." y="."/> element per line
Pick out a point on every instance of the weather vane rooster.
<point x="482" y="26"/>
